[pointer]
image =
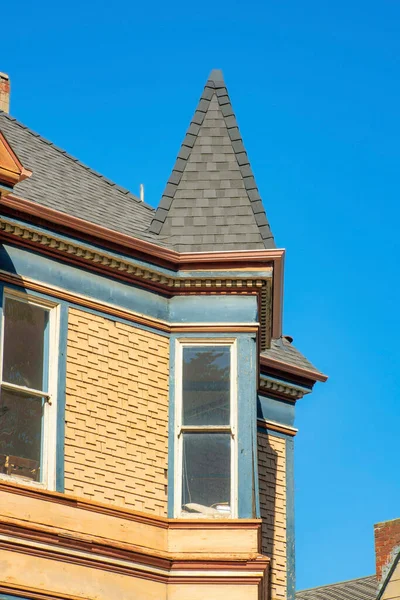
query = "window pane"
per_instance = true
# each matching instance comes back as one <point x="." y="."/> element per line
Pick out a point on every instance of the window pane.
<point x="206" y="472"/>
<point x="206" y="385"/>
<point x="25" y="351"/>
<point x="20" y="434"/>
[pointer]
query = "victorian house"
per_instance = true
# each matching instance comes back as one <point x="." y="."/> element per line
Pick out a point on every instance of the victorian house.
<point x="147" y="390"/>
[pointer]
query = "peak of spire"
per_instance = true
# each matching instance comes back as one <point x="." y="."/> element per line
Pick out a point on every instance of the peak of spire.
<point x="211" y="201"/>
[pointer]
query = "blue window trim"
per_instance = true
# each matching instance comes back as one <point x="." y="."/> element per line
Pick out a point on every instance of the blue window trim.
<point x="61" y="376"/>
<point x="247" y="421"/>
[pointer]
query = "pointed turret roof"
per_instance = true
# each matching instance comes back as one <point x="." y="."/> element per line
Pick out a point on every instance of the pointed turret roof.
<point x="211" y="201"/>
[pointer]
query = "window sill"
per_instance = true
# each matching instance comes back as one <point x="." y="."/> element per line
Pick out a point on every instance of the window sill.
<point x="24" y="481"/>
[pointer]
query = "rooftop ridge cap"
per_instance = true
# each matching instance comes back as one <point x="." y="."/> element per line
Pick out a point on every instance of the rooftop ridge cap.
<point x="320" y="587"/>
<point x="77" y="161"/>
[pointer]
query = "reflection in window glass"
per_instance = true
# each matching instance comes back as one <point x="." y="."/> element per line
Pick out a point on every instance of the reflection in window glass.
<point x="206" y="385"/>
<point x="20" y="434"/>
<point x="24" y="345"/>
<point x="206" y="473"/>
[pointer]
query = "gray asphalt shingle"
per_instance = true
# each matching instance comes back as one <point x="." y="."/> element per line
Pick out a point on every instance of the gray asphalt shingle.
<point x="364" y="588"/>
<point x="61" y="182"/>
<point x="284" y="351"/>
<point x="212" y="172"/>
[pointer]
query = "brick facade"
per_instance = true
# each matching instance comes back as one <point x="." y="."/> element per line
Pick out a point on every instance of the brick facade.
<point x="272" y="484"/>
<point x="387" y="545"/>
<point x="116" y="441"/>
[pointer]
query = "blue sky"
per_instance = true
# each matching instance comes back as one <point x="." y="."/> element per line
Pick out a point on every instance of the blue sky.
<point x="315" y="86"/>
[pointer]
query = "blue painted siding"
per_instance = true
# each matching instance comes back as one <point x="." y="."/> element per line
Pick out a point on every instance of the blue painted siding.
<point x="181" y="309"/>
<point x="213" y="309"/>
<point x="247" y="425"/>
<point x="79" y="281"/>
<point x="272" y="409"/>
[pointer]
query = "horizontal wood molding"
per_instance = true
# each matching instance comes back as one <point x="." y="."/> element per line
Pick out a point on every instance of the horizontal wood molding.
<point x="272" y="426"/>
<point x="158" y="324"/>
<point x="307" y="376"/>
<point x="123" y="269"/>
<point x="156" y="254"/>
<point x="124" y="513"/>
<point x="43" y="542"/>
<point x="34" y="593"/>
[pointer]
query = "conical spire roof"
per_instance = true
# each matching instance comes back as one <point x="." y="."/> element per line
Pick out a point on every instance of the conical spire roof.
<point x="211" y="201"/>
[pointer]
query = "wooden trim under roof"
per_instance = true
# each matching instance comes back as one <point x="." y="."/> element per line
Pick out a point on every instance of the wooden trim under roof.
<point x="197" y="261"/>
<point x="292" y="369"/>
<point x="11" y="169"/>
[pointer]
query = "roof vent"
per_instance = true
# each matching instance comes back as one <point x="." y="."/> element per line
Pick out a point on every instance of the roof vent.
<point x="288" y="338"/>
<point x="4" y="92"/>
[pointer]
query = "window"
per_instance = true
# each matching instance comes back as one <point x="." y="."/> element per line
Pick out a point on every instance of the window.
<point x="27" y="398"/>
<point x="206" y="418"/>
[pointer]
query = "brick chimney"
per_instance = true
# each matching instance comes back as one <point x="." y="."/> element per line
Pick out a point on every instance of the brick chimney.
<point x="4" y="92"/>
<point x="387" y="546"/>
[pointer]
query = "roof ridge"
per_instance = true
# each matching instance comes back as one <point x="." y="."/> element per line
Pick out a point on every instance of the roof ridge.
<point x="320" y="587"/>
<point x="214" y="85"/>
<point x="77" y="161"/>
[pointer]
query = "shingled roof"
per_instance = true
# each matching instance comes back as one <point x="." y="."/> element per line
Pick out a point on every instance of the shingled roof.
<point x="211" y="201"/>
<point x="62" y="182"/>
<point x="282" y="350"/>
<point x="355" y="589"/>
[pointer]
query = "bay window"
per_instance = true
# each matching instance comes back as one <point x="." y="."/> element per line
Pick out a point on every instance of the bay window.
<point x="206" y="408"/>
<point x="27" y="395"/>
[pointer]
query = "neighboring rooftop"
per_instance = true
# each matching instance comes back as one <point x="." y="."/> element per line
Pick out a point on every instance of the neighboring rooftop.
<point x="364" y="588"/>
<point x="211" y="201"/>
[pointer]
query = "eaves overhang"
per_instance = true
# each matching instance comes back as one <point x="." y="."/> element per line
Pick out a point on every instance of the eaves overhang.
<point x="306" y="376"/>
<point x="166" y="271"/>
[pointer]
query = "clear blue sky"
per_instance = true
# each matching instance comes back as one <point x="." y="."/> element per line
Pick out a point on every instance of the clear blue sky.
<point x="315" y="86"/>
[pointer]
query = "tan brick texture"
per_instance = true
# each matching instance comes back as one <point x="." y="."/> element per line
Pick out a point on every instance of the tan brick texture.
<point x="116" y="442"/>
<point x="272" y="483"/>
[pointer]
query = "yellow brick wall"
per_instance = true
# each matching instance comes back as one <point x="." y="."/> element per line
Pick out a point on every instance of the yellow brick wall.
<point x="272" y="483"/>
<point x="116" y="441"/>
<point x="392" y="589"/>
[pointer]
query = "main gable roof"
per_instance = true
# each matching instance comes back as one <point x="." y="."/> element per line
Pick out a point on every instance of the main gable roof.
<point x="211" y="201"/>
<point x="62" y="182"/>
<point x="364" y="588"/>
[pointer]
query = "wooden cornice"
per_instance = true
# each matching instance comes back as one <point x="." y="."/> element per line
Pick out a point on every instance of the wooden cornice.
<point x="139" y="248"/>
<point x="11" y="169"/>
<point x="125" y="513"/>
<point x="99" y="551"/>
<point x="119" y="267"/>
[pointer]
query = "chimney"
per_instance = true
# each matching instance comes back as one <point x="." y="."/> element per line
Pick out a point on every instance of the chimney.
<point x="4" y="92"/>
<point x="387" y="546"/>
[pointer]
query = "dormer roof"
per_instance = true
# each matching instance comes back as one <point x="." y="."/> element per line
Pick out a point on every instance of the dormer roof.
<point x="211" y="201"/>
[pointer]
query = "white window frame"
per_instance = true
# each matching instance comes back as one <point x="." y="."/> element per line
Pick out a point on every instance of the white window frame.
<point x="179" y="428"/>
<point x="49" y="432"/>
